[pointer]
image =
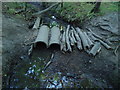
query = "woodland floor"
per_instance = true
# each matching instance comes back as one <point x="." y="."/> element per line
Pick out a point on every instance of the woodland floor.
<point x="104" y="66"/>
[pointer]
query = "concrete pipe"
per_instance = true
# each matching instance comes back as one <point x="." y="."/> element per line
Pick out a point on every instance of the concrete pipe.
<point x="54" y="37"/>
<point x="42" y="38"/>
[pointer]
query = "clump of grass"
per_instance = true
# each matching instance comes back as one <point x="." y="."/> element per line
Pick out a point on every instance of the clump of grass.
<point x="12" y="7"/>
<point x="80" y="11"/>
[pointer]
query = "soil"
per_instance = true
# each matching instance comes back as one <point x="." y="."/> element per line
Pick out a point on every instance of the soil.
<point x="103" y="66"/>
<point x="15" y="34"/>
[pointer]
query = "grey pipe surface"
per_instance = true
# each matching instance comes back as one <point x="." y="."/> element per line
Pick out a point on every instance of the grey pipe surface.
<point x="54" y="36"/>
<point x="43" y="35"/>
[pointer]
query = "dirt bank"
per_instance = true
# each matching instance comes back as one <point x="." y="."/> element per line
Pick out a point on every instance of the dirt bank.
<point x="15" y="33"/>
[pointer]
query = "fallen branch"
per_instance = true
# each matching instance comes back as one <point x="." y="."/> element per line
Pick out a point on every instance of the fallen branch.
<point x="79" y="43"/>
<point x="71" y="39"/>
<point x="99" y="37"/>
<point x="83" y="38"/>
<point x="67" y="39"/>
<point x="107" y="28"/>
<point x="19" y="11"/>
<point x="37" y="23"/>
<point x="61" y="43"/>
<point x="102" y="42"/>
<point x="45" y="10"/>
<point x="64" y="42"/>
<point x="95" y="49"/>
<point x="91" y="36"/>
<point x="88" y="39"/>
<point x="30" y="50"/>
<point x="115" y="52"/>
<point x="49" y="62"/>
<point x="105" y="44"/>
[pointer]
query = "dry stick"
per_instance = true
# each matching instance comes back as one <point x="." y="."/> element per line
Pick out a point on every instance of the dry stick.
<point x="79" y="44"/>
<point x="30" y="50"/>
<point x="83" y="38"/>
<point x="95" y="49"/>
<point x="45" y="10"/>
<point x="103" y="43"/>
<point x="93" y="39"/>
<point x="61" y="43"/>
<point x="103" y="28"/>
<point x="115" y="52"/>
<point x="37" y="23"/>
<point x="19" y="11"/>
<point x="67" y="39"/>
<point x="89" y="41"/>
<point x="64" y="42"/>
<point x="71" y="39"/>
<point x="49" y="62"/>
<point x="99" y="37"/>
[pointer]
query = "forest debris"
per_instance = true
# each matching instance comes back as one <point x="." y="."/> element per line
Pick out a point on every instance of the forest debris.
<point x="30" y="50"/>
<point x="115" y="52"/>
<point x="95" y="49"/>
<point x="99" y="37"/>
<point x="114" y="39"/>
<point x="105" y="44"/>
<point x="61" y="43"/>
<point x="37" y="23"/>
<point x="107" y="28"/>
<point x="64" y="42"/>
<point x="102" y="42"/>
<point x="93" y="39"/>
<point x="49" y="62"/>
<point x="89" y="41"/>
<point x="71" y="39"/>
<point x="79" y="43"/>
<point x="72" y="36"/>
<point x="83" y="38"/>
<point x="67" y="39"/>
<point x="47" y="9"/>
<point x="19" y="11"/>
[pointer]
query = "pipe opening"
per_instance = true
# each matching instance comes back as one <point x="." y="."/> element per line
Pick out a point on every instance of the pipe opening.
<point x="55" y="46"/>
<point x="40" y="45"/>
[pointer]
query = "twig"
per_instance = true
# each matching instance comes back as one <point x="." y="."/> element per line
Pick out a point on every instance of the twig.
<point x="83" y="38"/>
<point x="115" y="52"/>
<point x="67" y="39"/>
<point x="79" y="43"/>
<point x="37" y="23"/>
<point x="45" y="10"/>
<point x="99" y="37"/>
<point x="95" y="49"/>
<point x="48" y="64"/>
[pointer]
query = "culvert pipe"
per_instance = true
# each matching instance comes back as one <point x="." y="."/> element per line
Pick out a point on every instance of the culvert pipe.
<point x="42" y="37"/>
<point x="54" y="37"/>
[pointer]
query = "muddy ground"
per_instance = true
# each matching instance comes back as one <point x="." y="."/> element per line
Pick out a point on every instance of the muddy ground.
<point x="15" y="34"/>
<point x="102" y="67"/>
